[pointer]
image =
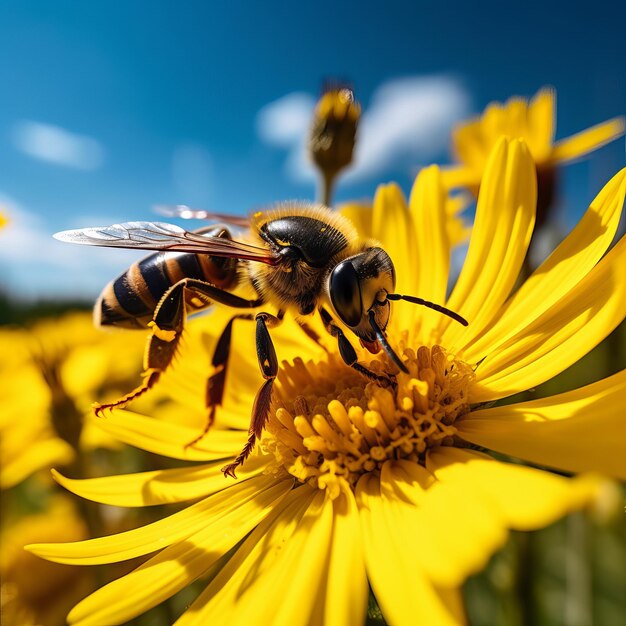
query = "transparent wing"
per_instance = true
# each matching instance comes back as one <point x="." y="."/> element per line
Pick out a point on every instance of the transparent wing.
<point x="162" y="236"/>
<point x="187" y="213"/>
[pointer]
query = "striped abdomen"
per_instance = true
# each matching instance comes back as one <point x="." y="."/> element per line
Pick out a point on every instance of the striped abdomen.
<point x="130" y="300"/>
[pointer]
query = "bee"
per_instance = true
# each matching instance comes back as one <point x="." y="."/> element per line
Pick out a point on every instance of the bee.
<point x="297" y="257"/>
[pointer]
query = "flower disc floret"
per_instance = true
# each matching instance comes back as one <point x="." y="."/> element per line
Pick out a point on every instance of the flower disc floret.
<point x="328" y="429"/>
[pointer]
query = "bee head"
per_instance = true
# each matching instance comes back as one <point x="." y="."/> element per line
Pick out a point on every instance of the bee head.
<point x="358" y="288"/>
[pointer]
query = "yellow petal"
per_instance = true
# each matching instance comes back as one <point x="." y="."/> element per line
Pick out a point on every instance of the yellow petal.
<point x="175" y="528"/>
<point x="361" y="217"/>
<point x="285" y="594"/>
<point x="392" y="226"/>
<point x="494" y="124"/>
<point x="570" y="262"/>
<point x="448" y="557"/>
<point x="401" y="588"/>
<point x="220" y="600"/>
<point x="432" y="252"/>
<point x="405" y="481"/>
<point x="404" y="492"/>
<point x="587" y="141"/>
<point x="273" y="578"/>
<point x="468" y="145"/>
<point x="578" y="431"/>
<point x="561" y="336"/>
<point x="515" y="119"/>
<point x="519" y="497"/>
<point x="347" y="588"/>
<point x="159" y="487"/>
<point x="177" y="565"/>
<point x="453" y="177"/>
<point x="169" y="439"/>
<point x="542" y="123"/>
<point x="505" y="216"/>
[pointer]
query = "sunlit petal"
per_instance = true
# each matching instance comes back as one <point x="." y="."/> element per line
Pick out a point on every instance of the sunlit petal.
<point x="432" y="253"/>
<point x="177" y="565"/>
<point x="360" y="215"/>
<point x="498" y="244"/>
<point x="578" y="431"/>
<point x="245" y="497"/>
<point x="521" y="498"/>
<point x="401" y="588"/>
<point x="346" y="587"/>
<point x="258" y="584"/>
<point x="559" y="337"/>
<point x="169" y="439"/>
<point x="158" y="487"/>
<point x="573" y="259"/>
<point x="392" y="226"/>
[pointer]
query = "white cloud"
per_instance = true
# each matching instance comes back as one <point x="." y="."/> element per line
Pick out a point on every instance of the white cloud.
<point x="34" y="265"/>
<point x="57" y="145"/>
<point x="407" y="123"/>
<point x="285" y="121"/>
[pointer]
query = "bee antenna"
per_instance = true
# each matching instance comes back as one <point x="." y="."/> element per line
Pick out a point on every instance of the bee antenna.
<point x="430" y="305"/>
<point x="385" y="344"/>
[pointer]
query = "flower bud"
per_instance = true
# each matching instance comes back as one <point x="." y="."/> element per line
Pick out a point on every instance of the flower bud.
<point x="333" y="134"/>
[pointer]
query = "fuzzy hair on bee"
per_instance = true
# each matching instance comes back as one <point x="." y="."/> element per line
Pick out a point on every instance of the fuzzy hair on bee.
<point x="312" y="239"/>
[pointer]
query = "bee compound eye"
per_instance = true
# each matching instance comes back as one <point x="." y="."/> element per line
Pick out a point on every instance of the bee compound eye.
<point x="345" y="293"/>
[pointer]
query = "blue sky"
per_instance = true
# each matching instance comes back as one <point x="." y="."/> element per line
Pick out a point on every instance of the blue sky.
<point x="163" y="102"/>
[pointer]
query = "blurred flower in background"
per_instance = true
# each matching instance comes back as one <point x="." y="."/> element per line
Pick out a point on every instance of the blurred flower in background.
<point x="535" y="122"/>
<point x="51" y="375"/>
<point x="34" y="592"/>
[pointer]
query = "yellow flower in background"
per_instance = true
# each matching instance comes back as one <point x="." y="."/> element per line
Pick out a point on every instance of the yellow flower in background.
<point x="50" y="376"/>
<point x="354" y="483"/>
<point x="34" y="592"/>
<point x="533" y="121"/>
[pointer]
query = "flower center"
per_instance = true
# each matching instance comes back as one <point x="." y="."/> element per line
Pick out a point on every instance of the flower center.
<point x="328" y="429"/>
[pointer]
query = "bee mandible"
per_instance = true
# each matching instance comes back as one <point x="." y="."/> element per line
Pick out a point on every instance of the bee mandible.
<point x="297" y="257"/>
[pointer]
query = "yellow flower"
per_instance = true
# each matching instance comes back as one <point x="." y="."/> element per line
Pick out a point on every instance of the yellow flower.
<point x="533" y="121"/>
<point x="50" y="376"/>
<point x="354" y="483"/>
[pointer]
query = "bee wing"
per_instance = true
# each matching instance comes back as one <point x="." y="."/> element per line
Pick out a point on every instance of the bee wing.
<point x="187" y="213"/>
<point x="162" y="236"/>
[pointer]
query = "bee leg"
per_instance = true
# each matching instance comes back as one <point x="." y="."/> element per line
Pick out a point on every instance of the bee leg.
<point x="215" y="384"/>
<point x="167" y="326"/>
<point x="347" y="351"/>
<point x="210" y="293"/>
<point x="266" y="355"/>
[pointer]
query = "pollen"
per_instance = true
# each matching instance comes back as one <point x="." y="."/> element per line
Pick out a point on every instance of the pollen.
<point x="162" y="334"/>
<point x="328" y="428"/>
